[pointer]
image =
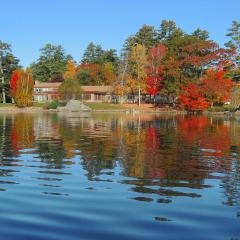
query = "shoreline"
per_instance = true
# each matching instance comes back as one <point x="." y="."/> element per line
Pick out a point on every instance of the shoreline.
<point x="14" y="109"/>
<point x="35" y="109"/>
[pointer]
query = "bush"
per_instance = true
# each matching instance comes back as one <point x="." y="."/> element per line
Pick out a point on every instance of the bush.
<point x="23" y="100"/>
<point x="51" y="105"/>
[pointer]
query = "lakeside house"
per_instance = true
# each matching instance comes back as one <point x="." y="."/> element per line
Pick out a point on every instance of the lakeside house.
<point x="97" y="93"/>
<point x="49" y="91"/>
<point x="45" y="92"/>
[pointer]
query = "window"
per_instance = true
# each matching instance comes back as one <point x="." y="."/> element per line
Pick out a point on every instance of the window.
<point x="37" y="90"/>
<point x="86" y="96"/>
<point x="98" y="97"/>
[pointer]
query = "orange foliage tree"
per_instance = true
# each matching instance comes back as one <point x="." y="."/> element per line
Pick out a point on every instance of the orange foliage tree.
<point x="21" y="87"/>
<point x="192" y="99"/>
<point x="216" y="87"/>
<point x="71" y="70"/>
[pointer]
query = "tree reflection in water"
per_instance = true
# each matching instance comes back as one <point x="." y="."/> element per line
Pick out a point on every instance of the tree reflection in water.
<point x="158" y="153"/>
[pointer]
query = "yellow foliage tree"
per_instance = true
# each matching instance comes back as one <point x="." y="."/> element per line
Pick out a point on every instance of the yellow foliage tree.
<point x="138" y="62"/>
<point x="22" y="85"/>
<point x="71" y="71"/>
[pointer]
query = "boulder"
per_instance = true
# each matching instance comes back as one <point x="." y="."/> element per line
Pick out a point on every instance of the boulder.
<point x="75" y="106"/>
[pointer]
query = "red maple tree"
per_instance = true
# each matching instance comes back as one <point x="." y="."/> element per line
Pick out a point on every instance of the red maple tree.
<point x="155" y="69"/>
<point x="13" y="82"/>
<point x="216" y="87"/>
<point x="192" y="99"/>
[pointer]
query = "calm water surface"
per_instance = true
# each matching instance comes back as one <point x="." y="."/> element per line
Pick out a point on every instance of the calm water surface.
<point x="119" y="177"/>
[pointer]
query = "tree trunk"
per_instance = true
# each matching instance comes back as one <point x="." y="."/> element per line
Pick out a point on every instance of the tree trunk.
<point x="139" y="88"/>
<point x="121" y="98"/>
<point x="3" y="93"/>
<point x="3" y="82"/>
<point x="139" y="96"/>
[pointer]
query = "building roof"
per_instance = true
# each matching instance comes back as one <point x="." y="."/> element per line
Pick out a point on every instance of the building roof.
<point x="47" y="84"/>
<point x="87" y="89"/>
<point x="97" y="89"/>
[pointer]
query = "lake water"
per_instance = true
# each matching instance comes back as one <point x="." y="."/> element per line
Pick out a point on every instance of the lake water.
<point x="119" y="177"/>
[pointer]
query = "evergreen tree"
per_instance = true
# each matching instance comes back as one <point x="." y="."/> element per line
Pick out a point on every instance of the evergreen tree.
<point x="8" y="63"/>
<point x="201" y="34"/>
<point x="167" y="29"/>
<point x="93" y="54"/>
<point x="234" y="34"/>
<point x="110" y="56"/>
<point x="51" y="64"/>
<point x="89" y="54"/>
<point x="234" y="43"/>
<point x="146" y="36"/>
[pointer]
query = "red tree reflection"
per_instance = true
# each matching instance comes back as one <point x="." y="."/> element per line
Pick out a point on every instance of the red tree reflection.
<point x="191" y="127"/>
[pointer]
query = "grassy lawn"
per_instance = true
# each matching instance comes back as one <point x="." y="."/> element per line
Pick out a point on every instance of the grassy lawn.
<point x="6" y="104"/>
<point x="38" y="104"/>
<point x="12" y="104"/>
<point x="105" y="106"/>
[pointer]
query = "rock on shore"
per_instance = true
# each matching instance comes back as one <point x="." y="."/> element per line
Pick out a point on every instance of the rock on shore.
<point x="75" y="106"/>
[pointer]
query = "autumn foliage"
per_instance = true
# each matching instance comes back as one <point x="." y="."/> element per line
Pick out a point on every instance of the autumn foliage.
<point x="216" y="87"/>
<point x="192" y="127"/>
<point x="96" y="74"/>
<point x="22" y="132"/>
<point x="155" y="69"/>
<point x="192" y="98"/>
<point x="71" y="70"/>
<point x="13" y="83"/>
<point x="21" y="87"/>
<point x="70" y="87"/>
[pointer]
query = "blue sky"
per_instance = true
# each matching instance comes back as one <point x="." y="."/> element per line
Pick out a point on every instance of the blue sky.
<point x="29" y="24"/>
